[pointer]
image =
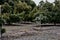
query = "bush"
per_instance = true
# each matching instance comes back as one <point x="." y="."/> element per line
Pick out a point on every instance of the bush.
<point x="3" y="31"/>
<point x="13" y="18"/>
<point x="1" y="20"/>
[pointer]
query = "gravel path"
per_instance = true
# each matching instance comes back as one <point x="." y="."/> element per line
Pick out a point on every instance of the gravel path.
<point x="46" y="33"/>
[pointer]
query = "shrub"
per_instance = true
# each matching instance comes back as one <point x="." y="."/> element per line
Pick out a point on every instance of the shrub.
<point x="1" y="20"/>
<point x="13" y="18"/>
<point x="3" y="31"/>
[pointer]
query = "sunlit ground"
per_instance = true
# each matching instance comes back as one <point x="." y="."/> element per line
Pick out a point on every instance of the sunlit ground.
<point x="29" y="32"/>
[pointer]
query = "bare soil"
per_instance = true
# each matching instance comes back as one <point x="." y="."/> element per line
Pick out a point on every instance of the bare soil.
<point x="29" y="32"/>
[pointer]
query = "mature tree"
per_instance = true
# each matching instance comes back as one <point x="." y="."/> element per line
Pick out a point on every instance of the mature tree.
<point x="20" y="7"/>
<point x="6" y="8"/>
<point x="41" y="3"/>
<point x="30" y="2"/>
<point x="13" y="18"/>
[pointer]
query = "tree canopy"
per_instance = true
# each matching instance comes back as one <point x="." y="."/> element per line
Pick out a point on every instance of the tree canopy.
<point x="26" y="10"/>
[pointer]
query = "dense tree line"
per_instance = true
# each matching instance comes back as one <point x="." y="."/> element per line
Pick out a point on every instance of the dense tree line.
<point x="26" y="10"/>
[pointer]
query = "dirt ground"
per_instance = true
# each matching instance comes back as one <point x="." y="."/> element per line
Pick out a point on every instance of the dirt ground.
<point x="29" y="32"/>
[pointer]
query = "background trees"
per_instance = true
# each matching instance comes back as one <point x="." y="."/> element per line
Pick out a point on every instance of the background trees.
<point x="26" y="10"/>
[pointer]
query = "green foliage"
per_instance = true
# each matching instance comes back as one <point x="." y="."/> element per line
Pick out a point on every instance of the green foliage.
<point x="32" y="3"/>
<point x="50" y="11"/>
<point x="22" y="6"/>
<point x="29" y="2"/>
<point x="13" y="18"/>
<point x="6" y="8"/>
<point x="3" y="31"/>
<point x="1" y="20"/>
<point x="26" y="10"/>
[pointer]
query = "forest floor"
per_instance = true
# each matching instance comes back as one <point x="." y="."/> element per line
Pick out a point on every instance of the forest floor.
<point x="30" y="32"/>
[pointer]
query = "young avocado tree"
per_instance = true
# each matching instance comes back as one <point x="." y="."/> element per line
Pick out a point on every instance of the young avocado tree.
<point x="2" y="30"/>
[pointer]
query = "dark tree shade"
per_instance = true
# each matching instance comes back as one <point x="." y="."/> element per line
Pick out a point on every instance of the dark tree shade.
<point x="2" y="2"/>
